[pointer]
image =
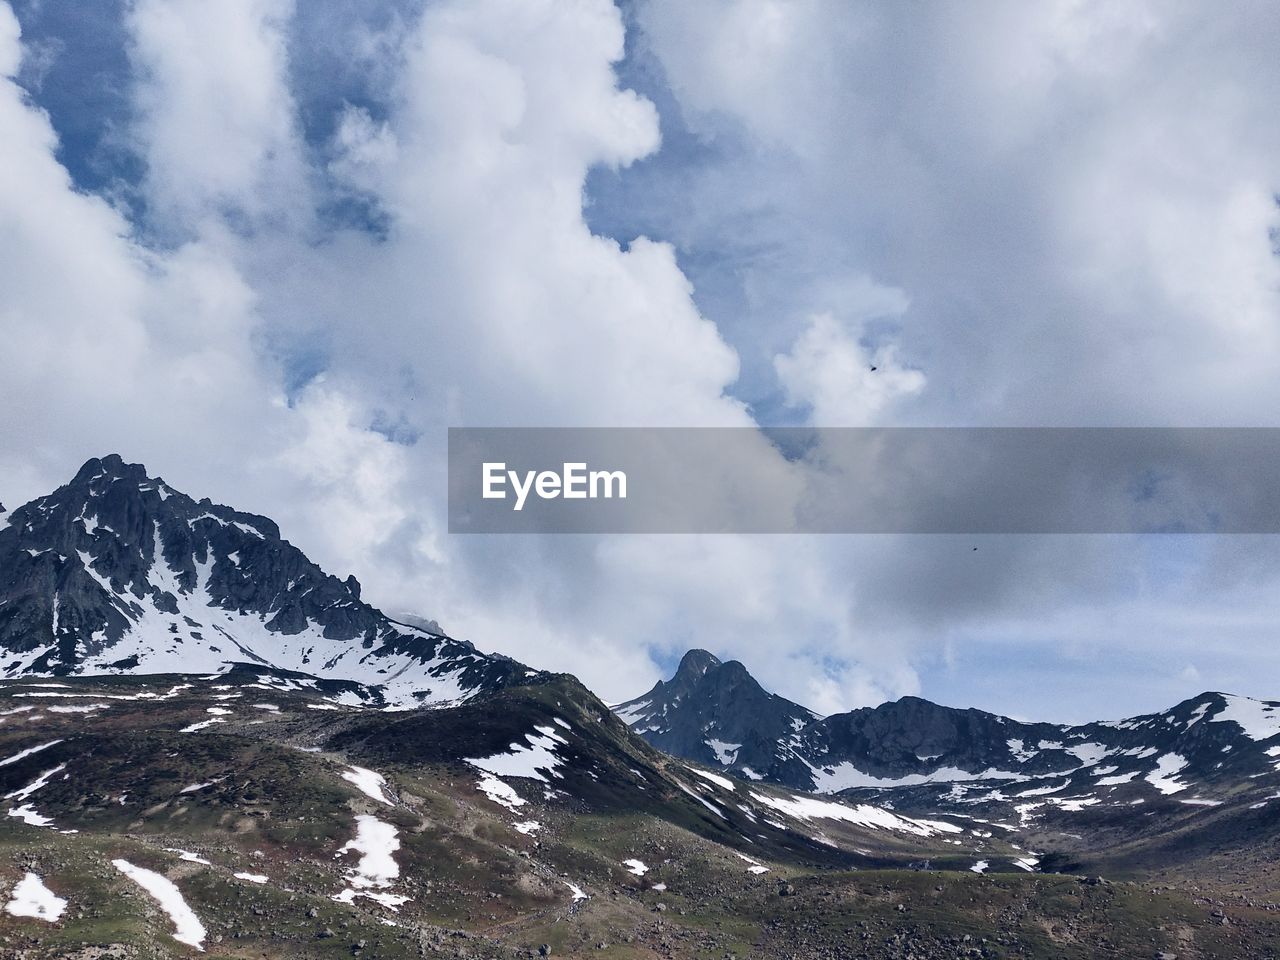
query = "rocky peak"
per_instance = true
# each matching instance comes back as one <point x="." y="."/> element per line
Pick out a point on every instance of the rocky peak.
<point x="118" y="571"/>
<point x="714" y="712"/>
<point x="696" y="662"/>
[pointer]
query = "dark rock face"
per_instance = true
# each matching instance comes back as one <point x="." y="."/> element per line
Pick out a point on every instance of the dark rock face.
<point x="716" y="713"/>
<point x="926" y="755"/>
<point x="117" y="571"/>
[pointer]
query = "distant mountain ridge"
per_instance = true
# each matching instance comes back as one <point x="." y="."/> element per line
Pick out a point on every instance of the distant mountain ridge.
<point x="1207" y="748"/>
<point x="117" y="572"/>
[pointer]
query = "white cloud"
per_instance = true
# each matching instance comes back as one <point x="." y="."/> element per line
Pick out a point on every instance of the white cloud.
<point x="10" y="42"/>
<point x="217" y="123"/>
<point x="1059" y="213"/>
<point x="113" y="346"/>
<point x="843" y="383"/>
<point x="1076" y="197"/>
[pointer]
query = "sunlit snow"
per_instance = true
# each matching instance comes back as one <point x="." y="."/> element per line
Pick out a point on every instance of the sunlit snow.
<point x="1163" y="777"/>
<point x="28" y="752"/>
<point x="368" y="782"/>
<point x="187" y="926"/>
<point x="31" y="898"/>
<point x="531" y="760"/>
<point x="500" y="792"/>
<point x="376" y="841"/>
<point x="863" y="814"/>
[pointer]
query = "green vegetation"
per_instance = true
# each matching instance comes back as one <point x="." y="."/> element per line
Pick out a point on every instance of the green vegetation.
<point x="477" y="886"/>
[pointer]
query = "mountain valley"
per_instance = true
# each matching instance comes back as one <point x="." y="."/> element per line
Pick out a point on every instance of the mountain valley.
<point x="209" y="745"/>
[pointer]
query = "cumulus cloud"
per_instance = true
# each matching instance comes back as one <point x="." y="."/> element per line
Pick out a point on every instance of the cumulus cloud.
<point x="113" y="345"/>
<point x="215" y="118"/>
<point x="333" y="262"/>
<point x="1077" y="198"/>
<point x="488" y="300"/>
<point x="841" y="382"/>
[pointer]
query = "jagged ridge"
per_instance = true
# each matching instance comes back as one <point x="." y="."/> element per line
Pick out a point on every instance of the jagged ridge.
<point x="118" y="572"/>
<point x="1205" y="748"/>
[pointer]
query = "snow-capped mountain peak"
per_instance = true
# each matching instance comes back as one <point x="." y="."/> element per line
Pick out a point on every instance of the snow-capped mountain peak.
<point x="118" y="572"/>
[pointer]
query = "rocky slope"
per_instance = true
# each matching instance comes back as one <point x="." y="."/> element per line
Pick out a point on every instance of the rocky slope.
<point x="1210" y="763"/>
<point x="117" y="572"/>
<point x="247" y="815"/>
<point x="716" y="713"/>
<point x="196" y="756"/>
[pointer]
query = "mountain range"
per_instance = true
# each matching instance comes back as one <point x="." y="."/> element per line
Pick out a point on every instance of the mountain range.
<point x="208" y="744"/>
<point x="718" y="714"/>
<point x="1204" y="774"/>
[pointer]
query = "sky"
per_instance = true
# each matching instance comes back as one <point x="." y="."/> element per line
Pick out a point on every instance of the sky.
<point x="273" y="250"/>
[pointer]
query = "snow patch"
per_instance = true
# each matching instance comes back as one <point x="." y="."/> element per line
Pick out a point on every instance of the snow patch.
<point x="188" y="856"/>
<point x="864" y="814"/>
<point x="28" y="752"/>
<point x="710" y="806"/>
<point x="31" y="898"/>
<point x="40" y="781"/>
<point x="368" y="782"/>
<point x="531" y="760"/>
<point x="755" y="866"/>
<point x="187" y="926"/>
<point x="27" y="814"/>
<point x="376" y="841"/>
<point x="724" y="783"/>
<point x="1163" y="777"/>
<point x="500" y="792"/>
<point x="1258" y="719"/>
<point x="202" y="724"/>
<point x="726" y="753"/>
<point x="845" y="775"/>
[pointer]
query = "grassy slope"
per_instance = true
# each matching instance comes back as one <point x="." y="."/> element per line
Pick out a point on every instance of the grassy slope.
<point x="478" y="885"/>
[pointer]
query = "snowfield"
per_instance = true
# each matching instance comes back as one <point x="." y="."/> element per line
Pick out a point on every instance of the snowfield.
<point x="163" y="608"/>
<point x="1259" y="720"/>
